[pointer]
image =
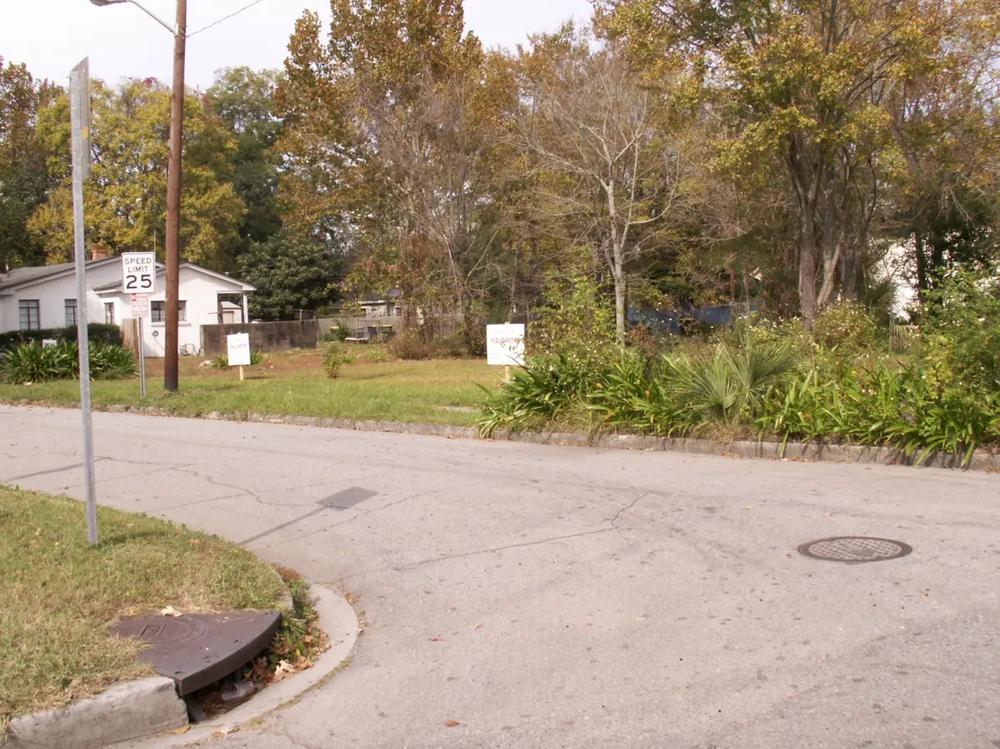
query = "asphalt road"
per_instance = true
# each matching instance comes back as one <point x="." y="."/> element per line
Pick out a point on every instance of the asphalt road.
<point x="545" y="596"/>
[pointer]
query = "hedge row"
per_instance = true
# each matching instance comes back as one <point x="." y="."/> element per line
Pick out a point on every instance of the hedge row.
<point x="96" y="332"/>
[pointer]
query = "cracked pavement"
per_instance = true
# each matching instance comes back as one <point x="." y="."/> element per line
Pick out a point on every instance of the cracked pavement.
<point x="547" y="596"/>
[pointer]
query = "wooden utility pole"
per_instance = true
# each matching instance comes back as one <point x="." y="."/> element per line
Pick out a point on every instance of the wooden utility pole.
<point x="170" y="364"/>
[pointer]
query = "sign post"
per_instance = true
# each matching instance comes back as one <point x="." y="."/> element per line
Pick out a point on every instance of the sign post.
<point x="139" y="280"/>
<point x="140" y="309"/>
<point x="505" y="347"/>
<point x="238" y="351"/>
<point x="79" y="87"/>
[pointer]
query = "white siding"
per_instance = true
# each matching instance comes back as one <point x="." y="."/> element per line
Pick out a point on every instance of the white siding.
<point x="52" y="295"/>
<point x="200" y="290"/>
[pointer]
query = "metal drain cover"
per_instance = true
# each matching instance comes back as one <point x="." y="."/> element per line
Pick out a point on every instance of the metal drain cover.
<point x="855" y="549"/>
<point x="197" y="649"/>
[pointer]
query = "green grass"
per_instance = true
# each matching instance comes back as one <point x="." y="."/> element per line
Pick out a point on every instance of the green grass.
<point x="59" y="594"/>
<point x="295" y="384"/>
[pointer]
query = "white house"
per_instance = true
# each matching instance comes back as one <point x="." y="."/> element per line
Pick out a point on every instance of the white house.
<point x="45" y="297"/>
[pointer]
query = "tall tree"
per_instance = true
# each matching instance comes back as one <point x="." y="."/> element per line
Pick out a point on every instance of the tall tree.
<point x="126" y="209"/>
<point x="610" y="154"/>
<point x="389" y="145"/>
<point x="811" y="82"/>
<point x="24" y="166"/>
<point x="244" y="100"/>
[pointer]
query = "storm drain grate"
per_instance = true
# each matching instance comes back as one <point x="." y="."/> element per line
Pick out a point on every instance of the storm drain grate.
<point x="855" y="549"/>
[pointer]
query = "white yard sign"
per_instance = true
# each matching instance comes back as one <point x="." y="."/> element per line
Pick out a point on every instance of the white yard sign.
<point x="505" y="345"/>
<point x="238" y="349"/>
<point x="138" y="272"/>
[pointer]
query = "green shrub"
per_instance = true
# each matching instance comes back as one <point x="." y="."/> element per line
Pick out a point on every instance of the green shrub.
<point x="575" y="318"/>
<point x="412" y="344"/>
<point x="222" y="361"/>
<point x="32" y="362"/>
<point x="847" y="326"/>
<point x="634" y="396"/>
<point x="883" y="405"/>
<point x="108" y="361"/>
<point x="335" y="334"/>
<point x="334" y="357"/>
<point x="544" y="390"/>
<point x="960" y="331"/>
<point x="96" y="332"/>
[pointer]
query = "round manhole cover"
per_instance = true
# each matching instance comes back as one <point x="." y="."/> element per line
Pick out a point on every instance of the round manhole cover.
<point x="159" y="630"/>
<point x="855" y="549"/>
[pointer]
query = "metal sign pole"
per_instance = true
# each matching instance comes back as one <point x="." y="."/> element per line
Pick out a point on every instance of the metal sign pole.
<point x="79" y="84"/>
<point x="142" y="361"/>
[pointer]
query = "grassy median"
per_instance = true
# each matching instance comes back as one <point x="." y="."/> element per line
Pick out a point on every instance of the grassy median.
<point x="440" y="391"/>
<point x="59" y="594"/>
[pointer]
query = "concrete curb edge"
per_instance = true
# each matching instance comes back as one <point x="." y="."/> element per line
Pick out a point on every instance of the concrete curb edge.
<point x="982" y="460"/>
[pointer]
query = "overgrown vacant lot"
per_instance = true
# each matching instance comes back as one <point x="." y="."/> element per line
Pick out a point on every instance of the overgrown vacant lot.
<point x="440" y="391"/>
<point x="59" y="594"/>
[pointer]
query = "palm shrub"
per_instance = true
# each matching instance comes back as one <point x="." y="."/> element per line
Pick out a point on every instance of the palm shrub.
<point x="728" y="386"/>
<point x="547" y="388"/>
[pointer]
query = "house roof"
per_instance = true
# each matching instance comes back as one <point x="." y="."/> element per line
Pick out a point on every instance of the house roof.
<point x="41" y="273"/>
<point x="116" y="286"/>
<point x="25" y="276"/>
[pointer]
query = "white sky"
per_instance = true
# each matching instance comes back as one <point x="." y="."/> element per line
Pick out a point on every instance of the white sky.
<point x="51" y="36"/>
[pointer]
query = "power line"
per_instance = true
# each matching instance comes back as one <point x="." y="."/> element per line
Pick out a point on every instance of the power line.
<point x="235" y="13"/>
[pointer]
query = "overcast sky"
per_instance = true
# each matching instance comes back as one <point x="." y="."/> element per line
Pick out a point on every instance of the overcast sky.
<point x="51" y="36"/>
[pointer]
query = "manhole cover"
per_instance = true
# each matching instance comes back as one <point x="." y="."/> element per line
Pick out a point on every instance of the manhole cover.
<point x="855" y="549"/>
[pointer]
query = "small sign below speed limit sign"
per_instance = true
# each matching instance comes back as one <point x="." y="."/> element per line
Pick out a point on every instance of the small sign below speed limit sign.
<point x="139" y="272"/>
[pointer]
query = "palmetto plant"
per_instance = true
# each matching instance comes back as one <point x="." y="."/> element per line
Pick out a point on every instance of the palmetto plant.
<point x="728" y="386"/>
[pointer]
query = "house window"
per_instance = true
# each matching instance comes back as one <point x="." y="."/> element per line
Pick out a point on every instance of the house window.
<point x="109" y="313"/>
<point x="69" y="306"/>
<point x="398" y="311"/>
<point x="158" y="311"/>
<point x="27" y="314"/>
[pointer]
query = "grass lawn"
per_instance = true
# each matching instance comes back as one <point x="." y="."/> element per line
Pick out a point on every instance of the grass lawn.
<point x="441" y="391"/>
<point x="59" y="594"/>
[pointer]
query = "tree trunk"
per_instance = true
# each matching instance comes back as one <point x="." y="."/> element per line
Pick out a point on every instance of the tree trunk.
<point x="807" y="270"/>
<point x="619" y="280"/>
<point x="918" y="251"/>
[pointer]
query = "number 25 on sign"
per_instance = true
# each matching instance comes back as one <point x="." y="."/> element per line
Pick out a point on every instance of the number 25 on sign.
<point x="139" y="272"/>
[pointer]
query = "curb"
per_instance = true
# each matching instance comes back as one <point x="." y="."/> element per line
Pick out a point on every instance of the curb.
<point x="135" y="711"/>
<point x="982" y="460"/>
<point x="125" y="711"/>
<point x="340" y="622"/>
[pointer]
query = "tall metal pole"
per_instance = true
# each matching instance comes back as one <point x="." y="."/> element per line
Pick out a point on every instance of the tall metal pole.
<point x="170" y="364"/>
<point x="79" y="84"/>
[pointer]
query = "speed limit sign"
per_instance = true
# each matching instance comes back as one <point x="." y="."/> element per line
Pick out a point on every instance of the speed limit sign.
<point x="139" y="272"/>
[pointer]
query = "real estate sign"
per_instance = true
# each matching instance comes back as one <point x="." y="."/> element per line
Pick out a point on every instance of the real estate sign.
<point x="139" y="272"/>
<point x="238" y="349"/>
<point x="505" y="345"/>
